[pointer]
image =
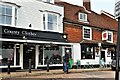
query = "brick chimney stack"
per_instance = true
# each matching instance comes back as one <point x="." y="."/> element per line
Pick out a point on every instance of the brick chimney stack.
<point x="87" y="4"/>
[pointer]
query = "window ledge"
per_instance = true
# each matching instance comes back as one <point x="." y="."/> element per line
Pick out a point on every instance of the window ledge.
<point x="83" y="21"/>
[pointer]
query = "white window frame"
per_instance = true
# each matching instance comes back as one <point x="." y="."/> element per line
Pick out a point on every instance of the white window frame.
<point x="46" y="22"/>
<point x="83" y="14"/>
<point x="13" y="16"/>
<point x="111" y="36"/>
<point x="90" y="33"/>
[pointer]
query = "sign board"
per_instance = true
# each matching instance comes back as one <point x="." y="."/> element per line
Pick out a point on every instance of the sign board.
<point x="104" y="35"/>
<point x="117" y="9"/>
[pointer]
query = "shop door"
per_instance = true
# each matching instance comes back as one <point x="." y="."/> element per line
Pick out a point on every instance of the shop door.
<point x="103" y="55"/>
<point x="28" y="53"/>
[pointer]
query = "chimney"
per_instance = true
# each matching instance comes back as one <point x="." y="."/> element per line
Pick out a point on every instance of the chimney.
<point x="87" y="4"/>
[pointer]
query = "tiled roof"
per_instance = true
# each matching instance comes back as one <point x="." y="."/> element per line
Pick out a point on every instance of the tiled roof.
<point x="94" y="19"/>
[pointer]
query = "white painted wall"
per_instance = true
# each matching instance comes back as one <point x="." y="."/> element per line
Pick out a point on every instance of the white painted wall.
<point x="21" y="56"/>
<point x="76" y="52"/>
<point x="36" y="55"/>
<point x="29" y="13"/>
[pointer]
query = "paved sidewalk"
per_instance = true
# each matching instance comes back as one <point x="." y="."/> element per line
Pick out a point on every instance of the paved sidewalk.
<point x="44" y="72"/>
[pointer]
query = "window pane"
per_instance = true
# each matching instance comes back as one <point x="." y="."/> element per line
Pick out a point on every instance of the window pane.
<point x="88" y="52"/>
<point x="0" y="18"/>
<point x="8" y="20"/>
<point x="40" y="61"/>
<point x="52" y="22"/>
<point x="6" y="53"/>
<point x="3" y="10"/>
<point x="17" y="54"/>
<point x="109" y="36"/>
<point x="86" y="33"/>
<point x="9" y="11"/>
<point x="3" y="19"/>
<point x="0" y="9"/>
<point x="50" y="26"/>
<point x="50" y="18"/>
<point x="54" y="54"/>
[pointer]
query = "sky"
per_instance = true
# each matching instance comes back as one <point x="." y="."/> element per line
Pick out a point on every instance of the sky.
<point x="97" y="5"/>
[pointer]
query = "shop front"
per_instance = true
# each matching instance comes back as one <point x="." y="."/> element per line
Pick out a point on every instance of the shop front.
<point x="19" y="45"/>
<point x="93" y="51"/>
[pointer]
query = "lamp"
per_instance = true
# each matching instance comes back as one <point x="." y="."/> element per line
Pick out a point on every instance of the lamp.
<point x="24" y="38"/>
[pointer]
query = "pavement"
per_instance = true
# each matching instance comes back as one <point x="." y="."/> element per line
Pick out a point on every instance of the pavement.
<point x="38" y="72"/>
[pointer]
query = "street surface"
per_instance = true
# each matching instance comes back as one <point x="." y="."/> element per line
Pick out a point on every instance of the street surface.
<point x="96" y="75"/>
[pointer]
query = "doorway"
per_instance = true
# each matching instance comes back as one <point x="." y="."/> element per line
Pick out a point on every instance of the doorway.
<point x="103" y="55"/>
<point x="28" y="53"/>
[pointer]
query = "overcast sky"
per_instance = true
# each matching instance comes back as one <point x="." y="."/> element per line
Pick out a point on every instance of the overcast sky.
<point x="97" y="5"/>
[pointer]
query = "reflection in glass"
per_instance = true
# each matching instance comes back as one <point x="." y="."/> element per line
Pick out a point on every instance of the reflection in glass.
<point x="54" y="54"/>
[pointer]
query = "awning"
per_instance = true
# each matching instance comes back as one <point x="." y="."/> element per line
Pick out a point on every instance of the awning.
<point x="96" y="42"/>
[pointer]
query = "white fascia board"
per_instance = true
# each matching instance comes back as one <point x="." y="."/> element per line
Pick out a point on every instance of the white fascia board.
<point x="33" y="41"/>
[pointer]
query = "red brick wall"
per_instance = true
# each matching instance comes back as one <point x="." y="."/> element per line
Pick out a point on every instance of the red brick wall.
<point x="115" y="37"/>
<point x="97" y="34"/>
<point x="74" y="33"/>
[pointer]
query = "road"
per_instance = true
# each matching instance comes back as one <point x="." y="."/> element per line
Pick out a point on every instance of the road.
<point x="96" y="75"/>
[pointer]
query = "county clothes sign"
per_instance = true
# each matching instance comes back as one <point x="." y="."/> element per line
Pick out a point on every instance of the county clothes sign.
<point x="117" y="9"/>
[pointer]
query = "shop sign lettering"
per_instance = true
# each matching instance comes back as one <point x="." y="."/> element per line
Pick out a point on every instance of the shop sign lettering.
<point x="15" y="32"/>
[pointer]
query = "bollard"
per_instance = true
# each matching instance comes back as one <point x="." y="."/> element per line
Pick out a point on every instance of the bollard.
<point x="29" y="65"/>
<point x="47" y="65"/>
<point x="8" y="66"/>
<point x="63" y="66"/>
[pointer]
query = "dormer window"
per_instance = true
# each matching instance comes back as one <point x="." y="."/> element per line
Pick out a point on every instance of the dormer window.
<point x="82" y="17"/>
<point x="49" y="1"/>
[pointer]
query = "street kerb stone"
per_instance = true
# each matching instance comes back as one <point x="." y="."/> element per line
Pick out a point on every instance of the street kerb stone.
<point x="51" y="72"/>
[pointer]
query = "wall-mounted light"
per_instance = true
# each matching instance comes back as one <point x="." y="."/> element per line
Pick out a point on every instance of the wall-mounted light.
<point x="30" y="25"/>
<point x="64" y="36"/>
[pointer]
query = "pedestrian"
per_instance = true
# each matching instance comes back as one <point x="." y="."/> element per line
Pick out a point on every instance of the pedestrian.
<point x="66" y="61"/>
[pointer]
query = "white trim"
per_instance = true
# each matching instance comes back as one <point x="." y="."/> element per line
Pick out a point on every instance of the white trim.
<point x="36" y="56"/>
<point x="21" y="56"/>
<point x="15" y="55"/>
<point x="90" y="33"/>
<point x="10" y="66"/>
<point x="13" y="16"/>
<point x="50" y="65"/>
<point x="34" y="41"/>
<point x="107" y="14"/>
<point x="43" y="56"/>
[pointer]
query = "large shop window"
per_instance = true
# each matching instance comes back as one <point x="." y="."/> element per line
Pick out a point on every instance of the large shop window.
<point x="6" y="52"/>
<point x="50" y="22"/>
<point x="87" y="33"/>
<point x="7" y="12"/>
<point x="53" y="53"/>
<point x="87" y="52"/>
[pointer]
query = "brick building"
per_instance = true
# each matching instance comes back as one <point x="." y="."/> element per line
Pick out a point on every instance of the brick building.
<point x="92" y="35"/>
